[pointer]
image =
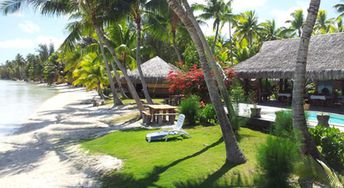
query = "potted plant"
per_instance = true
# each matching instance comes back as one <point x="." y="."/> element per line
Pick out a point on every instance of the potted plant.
<point x="255" y="112"/>
<point x="323" y="119"/>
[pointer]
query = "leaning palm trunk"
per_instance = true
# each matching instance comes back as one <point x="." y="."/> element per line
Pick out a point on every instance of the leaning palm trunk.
<point x="131" y="87"/>
<point x="216" y="36"/>
<point x="138" y="61"/>
<point x="299" y="121"/>
<point x="217" y="70"/>
<point x="116" y="100"/>
<point x="118" y="80"/>
<point x="233" y="152"/>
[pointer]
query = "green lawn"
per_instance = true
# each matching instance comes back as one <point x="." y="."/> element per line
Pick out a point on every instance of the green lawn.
<point x="195" y="162"/>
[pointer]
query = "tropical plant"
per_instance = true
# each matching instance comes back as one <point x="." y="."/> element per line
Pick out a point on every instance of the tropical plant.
<point x="283" y="125"/>
<point x="207" y="115"/>
<point x="91" y="74"/>
<point x="297" y="21"/>
<point x="247" y="27"/>
<point x="276" y="159"/>
<point x="331" y="142"/>
<point x="323" y="25"/>
<point x="190" y="108"/>
<point x="340" y="8"/>
<point x="217" y="10"/>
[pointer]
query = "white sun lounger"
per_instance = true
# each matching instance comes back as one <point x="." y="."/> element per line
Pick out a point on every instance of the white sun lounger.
<point x="176" y="130"/>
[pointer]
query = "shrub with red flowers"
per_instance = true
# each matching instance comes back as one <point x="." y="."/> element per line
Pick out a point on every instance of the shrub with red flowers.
<point x="192" y="82"/>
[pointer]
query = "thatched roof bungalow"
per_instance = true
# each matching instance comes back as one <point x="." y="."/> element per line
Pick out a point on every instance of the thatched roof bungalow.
<point x="277" y="59"/>
<point x="155" y="72"/>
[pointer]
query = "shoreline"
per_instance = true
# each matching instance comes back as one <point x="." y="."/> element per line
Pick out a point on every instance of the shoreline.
<point x="21" y="122"/>
<point x="44" y="151"/>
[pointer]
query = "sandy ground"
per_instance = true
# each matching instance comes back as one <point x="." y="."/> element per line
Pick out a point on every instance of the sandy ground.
<point x="44" y="152"/>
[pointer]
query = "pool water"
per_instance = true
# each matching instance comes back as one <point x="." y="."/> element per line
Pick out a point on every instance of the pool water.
<point x="335" y="119"/>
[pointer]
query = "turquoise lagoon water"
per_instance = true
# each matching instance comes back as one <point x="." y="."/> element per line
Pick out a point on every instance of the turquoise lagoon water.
<point x="335" y="119"/>
<point x="19" y="100"/>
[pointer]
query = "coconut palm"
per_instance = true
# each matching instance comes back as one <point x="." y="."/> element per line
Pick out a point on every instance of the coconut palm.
<point x="233" y="152"/>
<point x="339" y="27"/>
<point x="299" y="120"/>
<point x="161" y="19"/>
<point x="340" y="8"/>
<point x="91" y="74"/>
<point x="97" y="13"/>
<point x="323" y="25"/>
<point x="297" y="21"/>
<point x="214" y="9"/>
<point x="246" y="26"/>
<point x="136" y="15"/>
<point x="229" y="17"/>
<point x="271" y="32"/>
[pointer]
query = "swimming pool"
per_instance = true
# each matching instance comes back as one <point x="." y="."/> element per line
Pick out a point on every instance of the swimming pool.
<point x="335" y="119"/>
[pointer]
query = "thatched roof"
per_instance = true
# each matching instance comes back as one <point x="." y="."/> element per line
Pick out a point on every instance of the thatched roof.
<point x="277" y="59"/>
<point x="154" y="70"/>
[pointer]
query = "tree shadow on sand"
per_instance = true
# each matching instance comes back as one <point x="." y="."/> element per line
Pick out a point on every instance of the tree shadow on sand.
<point x="117" y="179"/>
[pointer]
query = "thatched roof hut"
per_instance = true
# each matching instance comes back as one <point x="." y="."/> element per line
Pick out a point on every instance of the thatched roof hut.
<point x="277" y="59"/>
<point x="154" y="70"/>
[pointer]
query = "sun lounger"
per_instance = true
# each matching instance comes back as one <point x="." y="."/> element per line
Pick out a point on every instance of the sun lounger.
<point x="175" y="131"/>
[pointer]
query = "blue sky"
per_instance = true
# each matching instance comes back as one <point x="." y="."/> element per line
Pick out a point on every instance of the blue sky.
<point x="23" y="31"/>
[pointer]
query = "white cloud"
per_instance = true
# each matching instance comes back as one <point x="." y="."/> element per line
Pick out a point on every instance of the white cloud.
<point x="29" y="43"/>
<point x="29" y="27"/>
<point x="240" y="5"/>
<point x="17" y="44"/>
<point x="281" y="16"/>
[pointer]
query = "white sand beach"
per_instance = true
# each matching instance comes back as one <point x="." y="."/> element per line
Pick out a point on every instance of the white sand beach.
<point x="44" y="151"/>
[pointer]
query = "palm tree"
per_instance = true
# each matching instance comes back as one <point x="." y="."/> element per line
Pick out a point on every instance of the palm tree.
<point x="339" y="24"/>
<point x="97" y="13"/>
<point x="233" y="152"/>
<point x="91" y="74"/>
<point x="229" y="17"/>
<point x="299" y="120"/>
<point x="214" y="9"/>
<point x="297" y="21"/>
<point x="323" y="25"/>
<point x="271" y="32"/>
<point x="247" y="27"/>
<point x="77" y="30"/>
<point x="136" y="11"/>
<point x="340" y="8"/>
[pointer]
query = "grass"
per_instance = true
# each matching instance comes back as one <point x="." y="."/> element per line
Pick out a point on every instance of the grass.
<point x="124" y="118"/>
<point x="195" y="162"/>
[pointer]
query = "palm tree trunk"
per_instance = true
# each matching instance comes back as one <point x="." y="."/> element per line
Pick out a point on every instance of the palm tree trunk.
<point x="138" y="60"/>
<point x="233" y="152"/>
<point x="217" y="70"/>
<point x="176" y="50"/>
<point x="131" y="87"/>
<point x="299" y="121"/>
<point x="230" y="42"/>
<point x="116" y="100"/>
<point x="118" y="80"/>
<point x="216" y="35"/>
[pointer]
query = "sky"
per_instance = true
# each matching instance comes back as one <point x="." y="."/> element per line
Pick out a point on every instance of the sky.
<point x="21" y="32"/>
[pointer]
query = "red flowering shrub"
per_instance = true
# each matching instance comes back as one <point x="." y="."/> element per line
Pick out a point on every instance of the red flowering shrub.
<point x="192" y="82"/>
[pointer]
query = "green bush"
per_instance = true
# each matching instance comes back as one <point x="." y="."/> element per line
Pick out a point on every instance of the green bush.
<point x="276" y="159"/>
<point x="190" y="108"/>
<point x="207" y="115"/>
<point x="331" y="143"/>
<point x="283" y="125"/>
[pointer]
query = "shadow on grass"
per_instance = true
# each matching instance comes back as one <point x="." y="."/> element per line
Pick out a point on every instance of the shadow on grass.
<point x="117" y="179"/>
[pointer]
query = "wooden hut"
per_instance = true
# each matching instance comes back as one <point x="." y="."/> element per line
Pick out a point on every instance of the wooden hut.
<point x="155" y="72"/>
<point x="276" y="60"/>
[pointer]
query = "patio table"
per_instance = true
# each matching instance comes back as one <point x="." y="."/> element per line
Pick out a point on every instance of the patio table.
<point x="159" y="113"/>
